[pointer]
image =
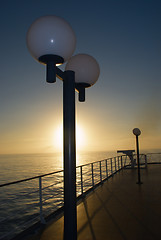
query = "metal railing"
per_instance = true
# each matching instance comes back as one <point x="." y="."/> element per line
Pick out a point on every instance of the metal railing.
<point x="142" y="158"/>
<point x="28" y="201"/>
<point x="153" y="158"/>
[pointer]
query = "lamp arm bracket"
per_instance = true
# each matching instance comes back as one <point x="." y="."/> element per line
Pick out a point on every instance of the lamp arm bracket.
<point x="59" y="73"/>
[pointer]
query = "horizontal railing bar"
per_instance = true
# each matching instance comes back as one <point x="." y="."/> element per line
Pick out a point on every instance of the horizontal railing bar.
<point x="153" y="153"/>
<point x="28" y="179"/>
<point x="93" y="162"/>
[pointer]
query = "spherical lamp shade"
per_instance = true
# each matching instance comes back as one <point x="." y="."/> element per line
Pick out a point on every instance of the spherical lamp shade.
<point x="136" y="131"/>
<point x="85" y="67"/>
<point x="51" y="35"/>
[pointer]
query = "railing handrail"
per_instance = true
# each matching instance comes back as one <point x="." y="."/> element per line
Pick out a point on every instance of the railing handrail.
<point x="153" y="153"/>
<point x="28" y="179"/>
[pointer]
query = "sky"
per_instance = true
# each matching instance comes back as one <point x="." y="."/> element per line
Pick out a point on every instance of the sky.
<point x="123" y="36"/>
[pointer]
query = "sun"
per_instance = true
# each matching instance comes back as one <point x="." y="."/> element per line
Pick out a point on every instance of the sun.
<point x="80" y="137"/>
<point x="58" y="138"/>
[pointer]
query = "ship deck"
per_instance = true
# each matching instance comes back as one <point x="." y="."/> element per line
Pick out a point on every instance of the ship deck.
<point x="118" y="209"/>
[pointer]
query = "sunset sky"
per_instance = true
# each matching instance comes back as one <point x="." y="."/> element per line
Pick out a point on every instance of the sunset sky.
<point x="123" y="36"/>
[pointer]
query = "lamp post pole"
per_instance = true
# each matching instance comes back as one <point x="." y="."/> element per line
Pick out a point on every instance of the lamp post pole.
<point x="70" y="213"/>
<point x="138" y="159"/>
<point x="137" y="132"/>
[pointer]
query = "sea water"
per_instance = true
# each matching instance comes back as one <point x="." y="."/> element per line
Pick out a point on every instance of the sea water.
<point x="19" y="166"/>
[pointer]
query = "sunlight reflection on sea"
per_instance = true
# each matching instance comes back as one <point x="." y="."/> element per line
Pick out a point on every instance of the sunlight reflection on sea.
<point x="20" y="166"/>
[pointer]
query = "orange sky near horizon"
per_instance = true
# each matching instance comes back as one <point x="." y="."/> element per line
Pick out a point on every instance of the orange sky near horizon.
<point x="90" y="136"/>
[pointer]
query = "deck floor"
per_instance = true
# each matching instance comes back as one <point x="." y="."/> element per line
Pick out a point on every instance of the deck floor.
<point x="118" y="209"/>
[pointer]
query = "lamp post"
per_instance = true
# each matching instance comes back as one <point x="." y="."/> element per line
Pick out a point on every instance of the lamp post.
<point x="137" y="132"/>
<point x="51" y="41"/>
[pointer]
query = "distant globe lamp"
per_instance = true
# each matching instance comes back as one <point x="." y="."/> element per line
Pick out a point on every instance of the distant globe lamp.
<point x="136" y="131"/>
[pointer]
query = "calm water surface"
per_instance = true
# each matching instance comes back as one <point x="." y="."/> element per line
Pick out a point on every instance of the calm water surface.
<point x="16" y="167"/>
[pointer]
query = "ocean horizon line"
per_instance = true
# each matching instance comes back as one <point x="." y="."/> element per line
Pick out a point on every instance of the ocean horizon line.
<point x="82" y="151"/>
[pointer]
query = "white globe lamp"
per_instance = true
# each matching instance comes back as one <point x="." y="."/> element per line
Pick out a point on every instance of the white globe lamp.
<point x="86" y="71"/>
<point x="51" y="35"/>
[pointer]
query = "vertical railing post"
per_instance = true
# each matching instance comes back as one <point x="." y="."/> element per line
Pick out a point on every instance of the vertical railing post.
<point x="118" y="163"/>
<point x="125" y="158"/>
<point x="40" y="202"/>
<point x="100" y="172"/>
<point x="138" y="160"/>
<point x="121" y="163"/>
<point x="92" y="174"/>
<point x="115" y="164"/>
<point x="111" y="167"/>
<point x="81" y="172"/>
<point x="145" y="160"/>
<point x="106" y="168"/>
